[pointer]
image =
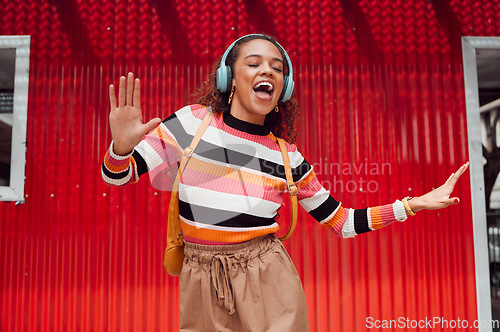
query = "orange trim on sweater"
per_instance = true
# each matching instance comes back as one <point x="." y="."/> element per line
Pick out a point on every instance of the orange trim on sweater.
<point x="337" y="218"/>
<point x="213" y="235"/>
<point x="376" y="218"/>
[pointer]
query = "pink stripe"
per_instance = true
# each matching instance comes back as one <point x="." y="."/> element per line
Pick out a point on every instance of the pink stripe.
<point x="224" y="185"/>
<point x="163" y="149"/>
<point x="309" y="189"/>
<point x="337" y="229"/>
<point x="387" y="214"/>
<point x="198" y="111"/>
<point x="116" y="162"/>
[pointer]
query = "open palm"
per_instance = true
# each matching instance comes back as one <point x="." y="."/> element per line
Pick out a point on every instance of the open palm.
<point x="125" y="119"/>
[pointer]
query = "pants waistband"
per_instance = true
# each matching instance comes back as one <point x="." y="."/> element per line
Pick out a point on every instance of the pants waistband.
<point x="239" y="252"/>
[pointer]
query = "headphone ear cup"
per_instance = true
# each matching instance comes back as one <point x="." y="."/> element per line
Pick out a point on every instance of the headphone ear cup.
<point x="221" y="83"/>
<point x="223" y="78"/>
<point x="286" y="93"/>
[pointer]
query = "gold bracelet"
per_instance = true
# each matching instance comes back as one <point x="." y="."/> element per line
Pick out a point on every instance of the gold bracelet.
<point x="407" y="206"/>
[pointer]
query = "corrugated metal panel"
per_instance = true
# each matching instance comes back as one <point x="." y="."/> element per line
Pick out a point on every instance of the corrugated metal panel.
<point x="379" y="83"/>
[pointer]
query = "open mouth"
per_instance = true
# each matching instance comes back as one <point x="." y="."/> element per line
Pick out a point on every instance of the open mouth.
<point x="264" y="90"/>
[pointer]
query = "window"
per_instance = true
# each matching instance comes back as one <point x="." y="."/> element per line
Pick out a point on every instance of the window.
<point x="479" y="57"/>
<point x="14" y="78"/>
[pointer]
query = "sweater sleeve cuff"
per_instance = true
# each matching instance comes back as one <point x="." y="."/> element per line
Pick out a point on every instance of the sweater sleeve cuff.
<point x="399" y="211"/>
<point x="118" y="157"/>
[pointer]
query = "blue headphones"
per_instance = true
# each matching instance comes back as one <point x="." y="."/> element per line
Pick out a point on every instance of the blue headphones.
<point x="224" y="76"/>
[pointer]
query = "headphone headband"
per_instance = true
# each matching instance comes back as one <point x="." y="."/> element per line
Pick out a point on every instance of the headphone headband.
<point x="224" y="75"/>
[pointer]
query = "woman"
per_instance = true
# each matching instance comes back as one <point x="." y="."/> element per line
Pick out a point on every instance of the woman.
<point x="237" y="276"/>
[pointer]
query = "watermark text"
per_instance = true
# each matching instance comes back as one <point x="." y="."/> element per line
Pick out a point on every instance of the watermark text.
<point x="428" y="323"/>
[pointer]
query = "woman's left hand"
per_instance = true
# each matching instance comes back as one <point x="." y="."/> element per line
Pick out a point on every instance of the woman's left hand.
<point x="440" y="197"/>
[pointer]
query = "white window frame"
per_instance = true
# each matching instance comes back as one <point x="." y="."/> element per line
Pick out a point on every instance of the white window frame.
<point x="469" y="47"/>
<point x="15" y="190"/>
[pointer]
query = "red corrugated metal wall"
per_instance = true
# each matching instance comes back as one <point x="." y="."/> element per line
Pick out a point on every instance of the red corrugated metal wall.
<point x="379" y="83"/>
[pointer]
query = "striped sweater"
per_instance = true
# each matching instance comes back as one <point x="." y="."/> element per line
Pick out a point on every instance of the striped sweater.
<point x="234" y="183"/>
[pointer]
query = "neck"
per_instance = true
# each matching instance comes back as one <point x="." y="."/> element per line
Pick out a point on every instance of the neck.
<point x="238" y="112"/>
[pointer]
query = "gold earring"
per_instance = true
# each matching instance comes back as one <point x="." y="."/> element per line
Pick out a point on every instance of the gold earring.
<point x="276" y="109"/>
<point x="231" y="96"/>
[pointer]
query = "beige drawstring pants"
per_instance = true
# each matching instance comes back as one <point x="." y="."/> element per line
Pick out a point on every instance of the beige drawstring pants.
<point x="249" y="286"/>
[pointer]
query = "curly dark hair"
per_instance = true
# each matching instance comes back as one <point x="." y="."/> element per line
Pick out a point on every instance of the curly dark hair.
<point x="281" y="123"/>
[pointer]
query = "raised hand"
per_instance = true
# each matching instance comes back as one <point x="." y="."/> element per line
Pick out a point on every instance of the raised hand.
<point x="125" y="119"/>
<point x="440" y="197"/>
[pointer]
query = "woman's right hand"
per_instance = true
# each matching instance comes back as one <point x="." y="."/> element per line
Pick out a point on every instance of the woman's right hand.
<point x="125" y="119"/>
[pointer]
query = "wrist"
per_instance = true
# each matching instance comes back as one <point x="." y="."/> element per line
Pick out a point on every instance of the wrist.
<point x="119" y="150"/>
<point x="416" y="204"/>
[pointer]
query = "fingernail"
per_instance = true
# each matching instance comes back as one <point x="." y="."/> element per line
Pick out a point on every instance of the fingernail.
<point x="456" y="200"/>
